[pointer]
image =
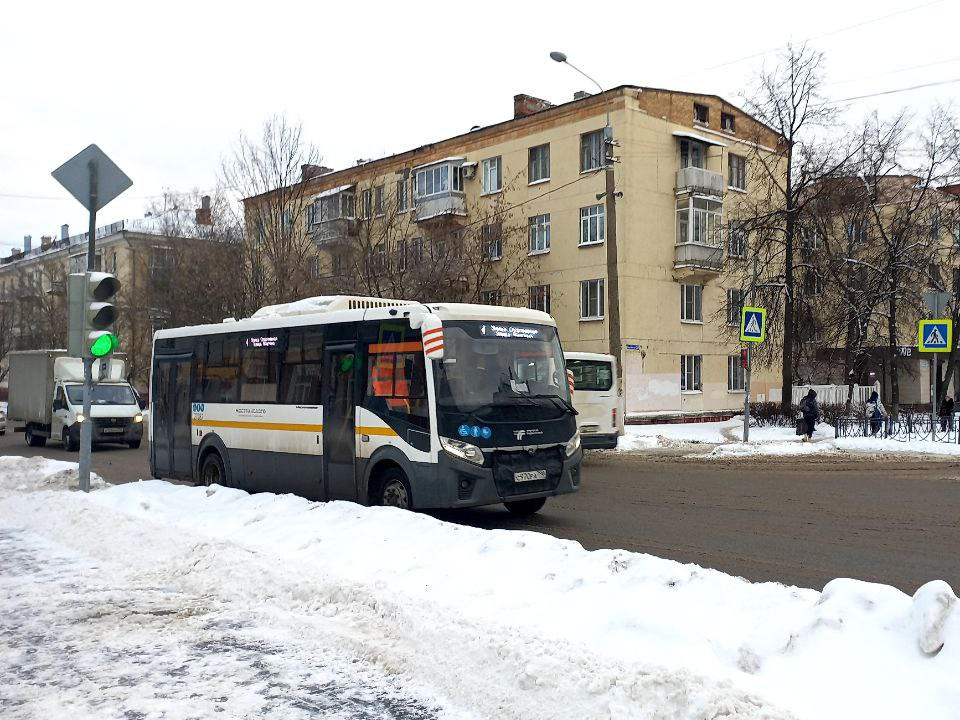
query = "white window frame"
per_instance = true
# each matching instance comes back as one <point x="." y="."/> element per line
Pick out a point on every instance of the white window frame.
<point x="433" y="180"/>
<point x="492" y="236"/>
<point x="691" y="373"/>
<point x="491" y="297"/>
<point x="593" y="222"/>
<point x="736" y="298"/>
<point x="592" y="299"/>
<point x="736" y="374"/>
<point x="538" y="237"/>
<point x="491" y="175"/>
<point x="693" y="154"/>
<point x="538" y="164"/>
<point x="379" y="200"/>
<point x="699" y="221"/>
<point x="730" y="127"/>
<point x="403" y="196"/>
<point x="736" y="172"/>
<point x="736" y="241"/>
<point x="592" y="151"/>
<point x="691" y="304"/>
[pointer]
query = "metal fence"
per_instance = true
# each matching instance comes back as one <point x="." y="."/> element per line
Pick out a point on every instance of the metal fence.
<point x="907" y="427"/>
<point x="835" y="394"/>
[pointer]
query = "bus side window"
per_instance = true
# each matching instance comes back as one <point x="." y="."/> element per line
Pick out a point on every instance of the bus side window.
<point x="302" y="368"/>
<point x="397" y="382"/>
<point x="220" y="381"/>
<point x="260" y="377"/>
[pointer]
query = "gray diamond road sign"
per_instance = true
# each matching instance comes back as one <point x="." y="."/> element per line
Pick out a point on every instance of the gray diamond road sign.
<point x="92" y="164"/>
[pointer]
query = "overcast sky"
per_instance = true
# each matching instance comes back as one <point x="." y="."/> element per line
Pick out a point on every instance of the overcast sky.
<point x="165" y="88"/>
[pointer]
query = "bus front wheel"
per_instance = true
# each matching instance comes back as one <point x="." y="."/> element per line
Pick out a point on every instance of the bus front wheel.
<point x="211" y="470"/>
<point x="525" y="507"/>
<point x="393" y="489"/>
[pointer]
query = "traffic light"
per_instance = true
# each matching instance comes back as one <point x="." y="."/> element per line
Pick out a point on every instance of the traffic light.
<point x="93" y="314"/>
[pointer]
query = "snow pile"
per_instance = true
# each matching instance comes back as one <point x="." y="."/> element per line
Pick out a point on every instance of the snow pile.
<point x="517" y="624"/>
<point x="37" y="473"/>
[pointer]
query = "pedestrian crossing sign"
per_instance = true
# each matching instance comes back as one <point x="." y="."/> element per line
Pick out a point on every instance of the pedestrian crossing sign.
<point x="935" y="335"/>
<point x="753" y="324"/>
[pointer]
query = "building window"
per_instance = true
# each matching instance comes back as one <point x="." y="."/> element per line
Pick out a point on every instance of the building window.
<point x="691" y="303"/>
<point x="366" y="203"/>
<point x="810" y="240"/>
<point x="736" y="240"/>
<point x="492" y="238"/>
<point x="539" y="226"/>
<point x="538" y="298"/>
<point x="539" y="164"/>
<point x="403" y="199"/>
<point x="728" y="122"/>
<point x="380" y="200"/>
<point x="491" y="175"/>
<point x="735" y="373"/>
<point x="857" y="232"/>
<point x="735" y="298"/>
<point x="699" y="221"/>
<point x="409" y="252"/>
<point x="692" y="154"/>
<point x="592" y="151"/>
<point x="812" y="283"/>
<point x="737" y="171"/>
<point x="591" y="299"/>
<point x="433" y="181"/>
<point x="592" y="225"/>
<point x="78" y="263"/>
<point x="690" y="366"/>
<point x="490" y="297"/>
<point x="701" y="114"/>
<point x="379" y="259"/>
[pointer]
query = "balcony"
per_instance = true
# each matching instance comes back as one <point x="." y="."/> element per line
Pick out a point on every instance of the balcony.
<point x="450" y="203"/>
<point x="328" y="233"/>
<point x="693" y="259"/>
<point x="698" y="180"/>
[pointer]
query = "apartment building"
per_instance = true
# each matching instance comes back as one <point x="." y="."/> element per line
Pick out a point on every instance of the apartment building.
<point x="681" y="163"/>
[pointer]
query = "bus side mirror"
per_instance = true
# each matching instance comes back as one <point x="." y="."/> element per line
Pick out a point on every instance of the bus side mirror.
<point x="431" y="330"/>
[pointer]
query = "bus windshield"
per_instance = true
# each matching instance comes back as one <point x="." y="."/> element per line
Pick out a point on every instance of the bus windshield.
<point x="500" y="363"/>
<point x="103" y="394"/>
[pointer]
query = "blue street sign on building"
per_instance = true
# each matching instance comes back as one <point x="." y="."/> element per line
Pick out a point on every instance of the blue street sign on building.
<point x="935" y="335"/>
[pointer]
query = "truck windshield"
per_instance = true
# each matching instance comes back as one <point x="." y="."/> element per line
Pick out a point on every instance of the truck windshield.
<point x="499" y="363"/>
<point x="103" y="395"/>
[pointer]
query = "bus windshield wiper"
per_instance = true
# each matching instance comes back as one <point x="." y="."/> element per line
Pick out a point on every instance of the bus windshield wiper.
<point x="563" y="403"/>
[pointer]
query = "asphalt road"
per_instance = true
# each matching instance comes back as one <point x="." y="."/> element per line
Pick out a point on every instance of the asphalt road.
<point x="799" y="521"/>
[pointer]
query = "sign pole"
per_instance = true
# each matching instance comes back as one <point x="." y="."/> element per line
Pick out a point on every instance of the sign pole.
<point x="749" y="369"/>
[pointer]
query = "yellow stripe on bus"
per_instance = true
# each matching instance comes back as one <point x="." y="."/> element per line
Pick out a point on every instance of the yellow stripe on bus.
<point x="373" y="430"/>
<point x="249" y="425"/>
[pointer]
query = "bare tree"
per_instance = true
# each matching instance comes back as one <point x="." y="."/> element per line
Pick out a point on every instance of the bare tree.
<point x="269" y="174"/>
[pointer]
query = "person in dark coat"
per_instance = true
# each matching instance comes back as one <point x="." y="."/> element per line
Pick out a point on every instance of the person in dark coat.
<point x="946" y="414"/>
<point x="875" y="412"/>
<point x="810" y="412"/>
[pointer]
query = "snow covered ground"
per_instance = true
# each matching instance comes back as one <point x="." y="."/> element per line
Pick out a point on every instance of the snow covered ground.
<point x="727" y="438"/>
<point x="152" y="600"/>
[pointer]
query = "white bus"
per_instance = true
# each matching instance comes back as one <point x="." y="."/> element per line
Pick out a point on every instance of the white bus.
<point x="598" y="398"/>
<point x="383" y="402"/>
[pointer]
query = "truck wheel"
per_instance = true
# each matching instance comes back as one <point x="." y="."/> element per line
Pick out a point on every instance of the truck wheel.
<point x="212" y="472"/>
<point x="134" y="444"/>
<point x="34" y="440"/>
<point x="68" y="443"/>
<point x="525" y="507"/>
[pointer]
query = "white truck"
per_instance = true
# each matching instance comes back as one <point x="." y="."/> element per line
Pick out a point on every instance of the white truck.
<point x="598" y="398"/>
<point x="46" y="400"/>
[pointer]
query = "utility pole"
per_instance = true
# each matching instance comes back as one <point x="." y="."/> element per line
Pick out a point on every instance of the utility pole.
<point x="749" y="370"/>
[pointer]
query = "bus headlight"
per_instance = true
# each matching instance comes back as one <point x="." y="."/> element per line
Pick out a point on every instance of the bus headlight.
<point x="462" y="450"/>
<point x="138" y="417"/>
<point x="573" y="444"/>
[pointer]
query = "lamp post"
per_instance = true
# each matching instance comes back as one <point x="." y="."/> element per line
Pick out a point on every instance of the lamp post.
<point x="609" y="194"/>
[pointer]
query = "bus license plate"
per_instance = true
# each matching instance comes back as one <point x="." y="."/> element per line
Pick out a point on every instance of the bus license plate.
<point x="529" y="475"/>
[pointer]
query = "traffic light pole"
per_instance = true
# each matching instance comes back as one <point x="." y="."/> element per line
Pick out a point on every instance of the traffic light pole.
<point x="86" y="427"/>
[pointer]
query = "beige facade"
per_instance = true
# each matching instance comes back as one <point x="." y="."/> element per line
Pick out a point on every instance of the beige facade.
<point x="673" y="151"/>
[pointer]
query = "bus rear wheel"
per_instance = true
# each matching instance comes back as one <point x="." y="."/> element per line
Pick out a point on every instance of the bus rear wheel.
<point x="394" y="490"/>
<point x="211" y="470"/>
<point x="525" y="507"/>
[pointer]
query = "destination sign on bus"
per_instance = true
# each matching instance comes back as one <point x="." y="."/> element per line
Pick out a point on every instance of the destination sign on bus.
<point x="262" y="341"/>
<point x="496" y="330"/>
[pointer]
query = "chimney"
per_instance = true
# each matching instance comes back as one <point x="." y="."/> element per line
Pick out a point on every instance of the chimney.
<point x="46" y="241"/>
<point x="580" y="95"/>
<point x="64" y="232"/>
<point x="203" y="216"/>
<point x="308" y="172"/>
<point x="27" y="239"/>
<point x="524" y="105"/>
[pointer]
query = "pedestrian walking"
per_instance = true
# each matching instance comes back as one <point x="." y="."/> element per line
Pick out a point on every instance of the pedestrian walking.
<point x="946" y="414"/>
<point x="810" y="411"/>
<point x="875" y="412"/>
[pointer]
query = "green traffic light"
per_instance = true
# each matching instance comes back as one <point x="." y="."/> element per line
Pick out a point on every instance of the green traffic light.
<point x="104" y="345"/>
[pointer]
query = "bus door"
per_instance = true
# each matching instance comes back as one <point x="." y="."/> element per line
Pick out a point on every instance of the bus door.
<point x="172" y="430"/>
<point x="339" y="429"/>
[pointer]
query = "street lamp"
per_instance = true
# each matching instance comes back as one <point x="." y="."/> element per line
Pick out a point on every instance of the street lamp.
<point x="610" y="196"/>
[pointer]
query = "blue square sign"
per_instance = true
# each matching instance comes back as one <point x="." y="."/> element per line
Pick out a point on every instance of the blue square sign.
<point x="935" y="335"/>
<point x="753" y="324"/>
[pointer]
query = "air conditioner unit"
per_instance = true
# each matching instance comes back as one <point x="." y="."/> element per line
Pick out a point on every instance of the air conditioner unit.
<point x="469" y="170"/>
